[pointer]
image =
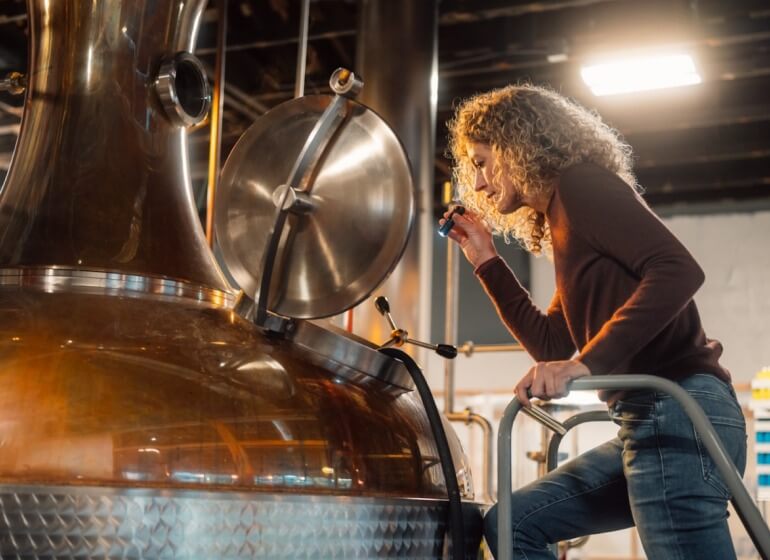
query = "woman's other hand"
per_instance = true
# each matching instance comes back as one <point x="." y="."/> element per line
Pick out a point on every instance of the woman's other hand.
<point x="473" y="236"/>
<point x="549" y="380"/>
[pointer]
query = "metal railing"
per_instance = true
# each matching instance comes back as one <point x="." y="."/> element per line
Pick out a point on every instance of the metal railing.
<point x="741" y="500"/>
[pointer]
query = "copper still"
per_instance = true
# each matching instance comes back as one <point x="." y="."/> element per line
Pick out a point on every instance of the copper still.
<point x="140" y="415"/>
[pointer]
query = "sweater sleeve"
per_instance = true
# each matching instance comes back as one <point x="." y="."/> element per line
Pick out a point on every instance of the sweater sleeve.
<point x="545" y="336"/>
<point x="610" y="216"/>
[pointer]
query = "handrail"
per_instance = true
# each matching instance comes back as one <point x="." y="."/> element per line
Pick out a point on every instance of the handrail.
<point x="744" y="505"/>
<point x="552" y="453"/>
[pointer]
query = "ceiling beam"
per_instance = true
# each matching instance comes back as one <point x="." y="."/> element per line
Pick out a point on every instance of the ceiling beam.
<point x="454" y="17"/>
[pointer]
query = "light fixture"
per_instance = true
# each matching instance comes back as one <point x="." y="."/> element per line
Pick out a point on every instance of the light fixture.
<point x="640" y="73"/>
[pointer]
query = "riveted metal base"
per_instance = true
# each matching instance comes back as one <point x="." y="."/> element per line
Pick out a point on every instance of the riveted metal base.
<point x="75" y="522"/>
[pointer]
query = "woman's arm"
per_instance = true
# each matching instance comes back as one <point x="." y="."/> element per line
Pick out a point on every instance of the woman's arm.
<point x="544" y="335"/>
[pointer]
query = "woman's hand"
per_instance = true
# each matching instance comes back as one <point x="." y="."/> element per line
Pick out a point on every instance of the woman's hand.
<point x="548" y="380"/>
<point x="473" y="236"/>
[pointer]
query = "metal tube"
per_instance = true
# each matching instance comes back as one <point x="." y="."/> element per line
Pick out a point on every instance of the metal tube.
<point x="552" y="455"/>
<point x="10" y="109"/>
<point x="391" y="322"/>
<point x="299" y="178"/>
<point x="744" y="505"/>
<point x="12" y="19"/>
<point x="469" y="348"/>
<point x="487" y="467"/>
<point x="545" y="419"/>
<point x="397" y="52"/>
<point x="450" y="321"/>
<point x="304" y="18"/>
<point x="215" y="135"/>
<point x="421" y="344"/>
<point x="281" y="42"/>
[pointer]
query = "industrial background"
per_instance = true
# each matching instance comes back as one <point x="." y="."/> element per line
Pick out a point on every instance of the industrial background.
<point x="697" y="149"/>
<point x="702" y="154"/>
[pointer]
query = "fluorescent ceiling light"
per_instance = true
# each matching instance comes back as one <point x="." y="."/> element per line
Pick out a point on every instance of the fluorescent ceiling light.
<point x="642" y="73"/>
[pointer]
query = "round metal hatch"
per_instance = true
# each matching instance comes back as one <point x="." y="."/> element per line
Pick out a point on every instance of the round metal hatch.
<point x="335" y="252"/>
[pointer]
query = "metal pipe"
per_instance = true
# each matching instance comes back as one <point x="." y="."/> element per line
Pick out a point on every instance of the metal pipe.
<point x="464" y="16"/>
<point x="552" y="455"/>
<point x="10" y="129"/>
<point x="469" y="417"/>
<point x="10" y="109"/>
<point x="741" y="500"/>
<point x="280" y="42"/>
<point x="12" y="19"/>
<point x="248" y="106"/>
<point x="304" y="18"/>
<point x="397" y="52"/>
<point x="469" y="348"/>
<point x="450" y="321"/>
<point x="215" y="139"/>
<point x="541" y="416"/>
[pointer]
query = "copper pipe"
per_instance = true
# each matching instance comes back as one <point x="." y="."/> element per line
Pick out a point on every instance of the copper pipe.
<point x="215" y="140"/>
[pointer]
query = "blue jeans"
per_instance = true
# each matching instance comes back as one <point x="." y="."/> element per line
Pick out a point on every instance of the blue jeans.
<point x="656" y="475"/>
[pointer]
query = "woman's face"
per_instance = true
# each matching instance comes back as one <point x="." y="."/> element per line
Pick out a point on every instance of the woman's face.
<point x="501" y="193"/>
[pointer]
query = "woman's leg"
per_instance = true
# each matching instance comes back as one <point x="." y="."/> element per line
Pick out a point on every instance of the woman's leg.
<point x="678" y="499"/>
<point x="585" y="495"/>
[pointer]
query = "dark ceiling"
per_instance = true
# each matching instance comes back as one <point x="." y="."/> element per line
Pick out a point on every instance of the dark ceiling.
<point x="699" y="148"/>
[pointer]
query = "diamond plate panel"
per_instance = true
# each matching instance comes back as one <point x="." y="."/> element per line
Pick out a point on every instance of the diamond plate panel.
<point x="62" y="522"/>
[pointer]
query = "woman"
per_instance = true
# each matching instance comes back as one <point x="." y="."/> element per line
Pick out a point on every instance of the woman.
<point x="537" y="167"/>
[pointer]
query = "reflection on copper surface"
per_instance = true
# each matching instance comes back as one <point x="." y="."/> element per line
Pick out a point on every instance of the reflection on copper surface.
<point x="99" y="179"/>
<point x="120" y="362"/>
<point x="105" y="390"/>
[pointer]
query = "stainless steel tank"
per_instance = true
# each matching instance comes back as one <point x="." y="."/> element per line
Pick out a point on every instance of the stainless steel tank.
<point x="140" y="416"/>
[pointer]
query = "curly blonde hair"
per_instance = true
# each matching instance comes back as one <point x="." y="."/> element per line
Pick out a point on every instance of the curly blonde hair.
<point x="535" y="133"/>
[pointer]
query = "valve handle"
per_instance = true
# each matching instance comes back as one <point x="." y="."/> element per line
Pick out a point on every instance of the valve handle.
<point x="446" y="351"/>
<point x="399" y="336"/>
<point x="382" y="305"/>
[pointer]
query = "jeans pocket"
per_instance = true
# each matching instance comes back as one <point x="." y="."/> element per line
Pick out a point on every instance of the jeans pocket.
<point x="633" y="412"/>
<point x="733" y="437"/>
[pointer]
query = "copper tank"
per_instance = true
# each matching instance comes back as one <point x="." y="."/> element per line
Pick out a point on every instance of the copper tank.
<point x="140" y="416"/>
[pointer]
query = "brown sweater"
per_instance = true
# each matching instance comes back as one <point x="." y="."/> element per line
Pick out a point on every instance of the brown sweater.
<point x="624" y="286"/>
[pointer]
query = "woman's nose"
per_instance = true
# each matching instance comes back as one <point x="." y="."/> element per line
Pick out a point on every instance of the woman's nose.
<point x="480" y="182"/>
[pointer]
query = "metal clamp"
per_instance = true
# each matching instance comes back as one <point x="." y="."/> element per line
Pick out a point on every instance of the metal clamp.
<point x="744" y="505"/>
<point x="299" y="180"/>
